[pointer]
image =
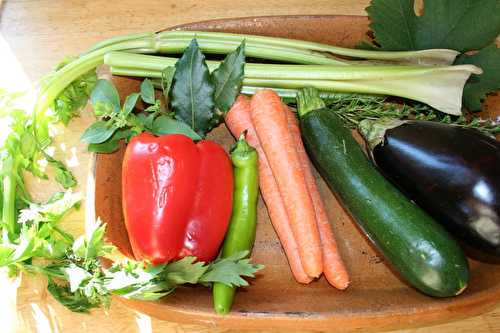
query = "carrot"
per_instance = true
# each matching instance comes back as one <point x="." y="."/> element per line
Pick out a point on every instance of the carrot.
<point x="333" y="266"/>
<point x="272" y="130"/>
<point x="238" y="119"/>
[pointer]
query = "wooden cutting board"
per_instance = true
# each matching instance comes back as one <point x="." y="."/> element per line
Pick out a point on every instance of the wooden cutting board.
<point x="377" y="298"/>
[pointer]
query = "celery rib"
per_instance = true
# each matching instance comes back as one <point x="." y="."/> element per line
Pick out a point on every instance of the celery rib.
<point x="431" y="57"/>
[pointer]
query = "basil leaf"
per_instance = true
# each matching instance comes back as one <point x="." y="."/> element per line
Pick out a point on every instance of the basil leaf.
<point x="98" y="132"/>
<point x="166" y="125"/>
<point x="192" y="90"/>
<point x="147" y="91"/>
<point x="105" y="93"/>
<point x="149" y="120"/>
<point x="112" y="144"/>
<point x="228" y="78"/>
<point x="129" y="103"/>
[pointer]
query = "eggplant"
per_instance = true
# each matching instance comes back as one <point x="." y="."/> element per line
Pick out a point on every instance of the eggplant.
<point x="451" y="172"/>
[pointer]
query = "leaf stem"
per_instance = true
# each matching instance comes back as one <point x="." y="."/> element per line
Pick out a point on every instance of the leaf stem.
<point x="9" y="185"/>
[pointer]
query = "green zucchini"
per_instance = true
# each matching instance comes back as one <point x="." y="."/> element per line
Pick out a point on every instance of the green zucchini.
<point x="417" y="247"/>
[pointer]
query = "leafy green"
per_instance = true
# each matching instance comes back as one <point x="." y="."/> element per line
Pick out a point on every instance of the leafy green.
<point x="147" y="92"/>
<point x="98" y="132"/>
<point x="167" y="76"/>
<point x="112" y="144"/>
<point x="117" y="123"/>
<point x="186" y="270"/>
<point x="92" y="245"/>
<point x="130" y="102"/>
<point x="104" y="98"/>
<point x="76" y="302"/>
<point x="458" y="25"/>
<point x="228" y="79"/>
<point x="479" y="86"/>
<point x="167" y="125"/>
<point x="353" y="108"/>
<point x="74" y="96"/>
<point x="193" y="90"/>
<point x="89" y="285"/>
<point x="39" y="235"/>
<point x="62" y="175"/>
<point x="230" y="270"/>
<point x="53" y="210"/>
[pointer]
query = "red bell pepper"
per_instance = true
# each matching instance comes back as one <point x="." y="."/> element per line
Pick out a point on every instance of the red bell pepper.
<point x="177" y="197"/>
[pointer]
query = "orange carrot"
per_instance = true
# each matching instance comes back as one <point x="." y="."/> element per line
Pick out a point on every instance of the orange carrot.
<point x="272" y="130"/>
<point x="333" y="266"/>
<point x="238" y="119"/>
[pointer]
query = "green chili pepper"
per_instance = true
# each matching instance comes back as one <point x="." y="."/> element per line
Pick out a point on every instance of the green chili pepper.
<point x="241" y="233"/>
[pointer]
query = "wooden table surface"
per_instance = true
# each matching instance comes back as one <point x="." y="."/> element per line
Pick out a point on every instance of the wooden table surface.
<point x="34" y="36"/>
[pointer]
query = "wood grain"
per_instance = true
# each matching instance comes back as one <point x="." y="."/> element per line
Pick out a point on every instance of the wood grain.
<point x="39" y="34"/>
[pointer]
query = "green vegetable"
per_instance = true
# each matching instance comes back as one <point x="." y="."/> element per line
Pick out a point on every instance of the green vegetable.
<point x="353" y="108"/>
<point x="167" y="76"/>
<point x="166" y="125"/>
<point x="479" y="86"/>
<point x="445" y="24"/>
<point x="292" y="50"/>
<point x="75" y="96"/>
<point x="228" y="79"/>
<point x="201" y="99"/>
<point x="440" y="87"/>
<point x="241" y="233"/>
<point x="459" y="25"/>
<point x="120" y="123"/>
<point x="90" y="285"/>
<point x="220" y="43"/>
<point x="418" y="248"/>
<point x="193" y="90"/>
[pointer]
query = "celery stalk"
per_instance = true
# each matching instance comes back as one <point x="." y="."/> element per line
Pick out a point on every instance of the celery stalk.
<point x="252" y="49"/>
<point x="430" y="57"/>
<point x="9" y="185"/>
<point x="439" y="87"/>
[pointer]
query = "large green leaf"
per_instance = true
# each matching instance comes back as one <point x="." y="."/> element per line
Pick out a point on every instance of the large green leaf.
<point x="228" y="79"/>
<point x="193" y="90"/>
<point x="479" y="85"/>
<point x="458" y="25"/>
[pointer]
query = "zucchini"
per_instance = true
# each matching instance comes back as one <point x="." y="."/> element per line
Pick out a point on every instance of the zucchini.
<point x="417" y="247"/>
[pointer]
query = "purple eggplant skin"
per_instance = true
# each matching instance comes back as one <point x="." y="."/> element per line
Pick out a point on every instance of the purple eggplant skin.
<point x="451" y="172"/>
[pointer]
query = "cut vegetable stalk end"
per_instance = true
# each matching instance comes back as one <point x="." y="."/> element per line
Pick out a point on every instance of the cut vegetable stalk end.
<point x="373" y="131"/>
<point x="308" y="99"/>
